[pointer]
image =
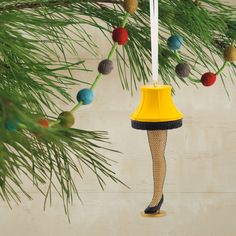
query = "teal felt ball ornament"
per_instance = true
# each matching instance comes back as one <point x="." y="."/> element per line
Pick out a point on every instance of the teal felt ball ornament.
<point x="85" y="96"/>
<point x="11" y="125"/>
<point x="175" y="42"/>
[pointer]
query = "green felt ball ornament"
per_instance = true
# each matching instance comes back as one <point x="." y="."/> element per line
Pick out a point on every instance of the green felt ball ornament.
<point x="67" y="119"/>
<point x="230" y="53"/>
<point x="130" y="6"/>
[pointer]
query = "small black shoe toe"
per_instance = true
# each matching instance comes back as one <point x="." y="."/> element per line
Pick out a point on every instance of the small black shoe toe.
<point x="151" y="210"/>
<point x="155" y="209"/>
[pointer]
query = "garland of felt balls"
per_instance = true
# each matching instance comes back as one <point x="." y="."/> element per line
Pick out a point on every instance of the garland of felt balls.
<point x="183" y="70"/>
<point x="86" y="96"/>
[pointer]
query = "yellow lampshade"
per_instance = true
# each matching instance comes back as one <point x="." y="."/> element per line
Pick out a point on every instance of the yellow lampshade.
<point x="156" y="109"/>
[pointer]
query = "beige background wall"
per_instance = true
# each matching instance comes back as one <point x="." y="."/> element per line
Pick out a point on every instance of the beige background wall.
<point x="200" y="188"/>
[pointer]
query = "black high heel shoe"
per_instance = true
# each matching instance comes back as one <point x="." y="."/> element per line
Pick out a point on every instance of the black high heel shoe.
<point x="155" y="209"/>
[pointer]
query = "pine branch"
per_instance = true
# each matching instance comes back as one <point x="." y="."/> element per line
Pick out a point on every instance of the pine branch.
<point x="35" y="47"/>
<point x="50" y="3"/>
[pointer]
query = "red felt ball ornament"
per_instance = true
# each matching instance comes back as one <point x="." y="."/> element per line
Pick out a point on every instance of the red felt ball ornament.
<point x="120" y="35"/>
<point x="43" y="122"/>
<point x="208" y="79"/>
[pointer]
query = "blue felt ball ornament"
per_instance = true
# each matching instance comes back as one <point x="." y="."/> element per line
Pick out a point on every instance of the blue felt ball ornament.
<point x="175" y="42"/>
<point x="85" y="96"/>
<point x="11" y="125"/>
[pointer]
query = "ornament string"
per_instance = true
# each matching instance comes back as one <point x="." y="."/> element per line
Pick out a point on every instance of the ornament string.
<point x="154" y="38"/>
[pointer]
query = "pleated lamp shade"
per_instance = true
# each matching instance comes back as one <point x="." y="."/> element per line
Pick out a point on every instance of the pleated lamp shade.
<point x="156" y="110"/>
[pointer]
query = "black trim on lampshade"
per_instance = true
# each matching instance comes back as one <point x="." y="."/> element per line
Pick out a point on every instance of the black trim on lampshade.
<point x="156" y="125"/>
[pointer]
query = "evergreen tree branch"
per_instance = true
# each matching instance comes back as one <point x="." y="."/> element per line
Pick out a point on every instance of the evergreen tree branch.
<point x="50" y="3"/>
<point x="36" y="44"/>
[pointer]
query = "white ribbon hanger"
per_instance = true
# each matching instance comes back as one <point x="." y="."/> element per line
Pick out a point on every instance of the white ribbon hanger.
<point x="154" y="38"/>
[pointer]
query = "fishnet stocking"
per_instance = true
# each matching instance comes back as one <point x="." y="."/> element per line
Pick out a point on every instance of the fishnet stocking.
<point x="157" y="142"/>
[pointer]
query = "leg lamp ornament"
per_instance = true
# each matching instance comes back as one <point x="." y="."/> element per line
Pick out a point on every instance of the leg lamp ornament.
<point x="156" y="113"/>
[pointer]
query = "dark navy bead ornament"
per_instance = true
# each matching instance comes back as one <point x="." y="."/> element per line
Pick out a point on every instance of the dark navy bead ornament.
<point x="183" y="70"/>
<point x="105" y="67"/>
